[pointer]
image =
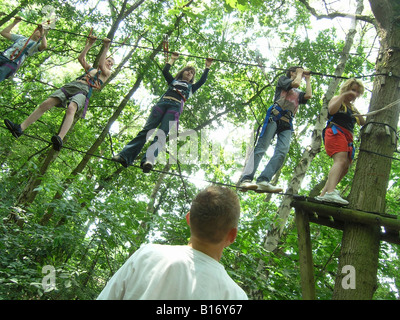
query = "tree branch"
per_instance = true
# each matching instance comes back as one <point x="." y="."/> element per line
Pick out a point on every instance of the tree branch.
<point x="334" y="15"/>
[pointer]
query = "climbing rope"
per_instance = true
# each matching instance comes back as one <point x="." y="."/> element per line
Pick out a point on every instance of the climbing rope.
<point x="165" y="172"/>
<point x="292" y="195"/>
<point x="120" y="45"/>
<point x="14" y="56"/>
<point x="390" y="105"/>
<point x="164" y="51"/>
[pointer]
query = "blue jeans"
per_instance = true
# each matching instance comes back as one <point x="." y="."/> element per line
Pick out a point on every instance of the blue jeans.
<point x="161" y="115"/>
<point x="275" y="163"/>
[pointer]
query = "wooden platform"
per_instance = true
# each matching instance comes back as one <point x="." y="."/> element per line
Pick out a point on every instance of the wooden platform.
<point x="334" y="216"/>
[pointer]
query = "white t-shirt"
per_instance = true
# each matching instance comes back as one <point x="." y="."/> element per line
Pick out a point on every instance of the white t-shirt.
<point x="171" y="273"/>
<point x="19" y="43"/>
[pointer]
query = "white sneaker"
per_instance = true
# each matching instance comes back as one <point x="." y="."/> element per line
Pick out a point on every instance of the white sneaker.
<point x="247" y="185"/>
<point x="265" y="186"/>
<point x="337" y="192"/>
<point x="333" y="196"/>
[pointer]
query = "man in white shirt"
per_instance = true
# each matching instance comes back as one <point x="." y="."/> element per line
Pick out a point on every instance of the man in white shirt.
<point x="14" y="56"/>
<point x="186" y="272"/>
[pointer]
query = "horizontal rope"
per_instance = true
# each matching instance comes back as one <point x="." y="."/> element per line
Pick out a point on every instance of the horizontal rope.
<point x="179" y="174"/>
<point x="223" y="60"/>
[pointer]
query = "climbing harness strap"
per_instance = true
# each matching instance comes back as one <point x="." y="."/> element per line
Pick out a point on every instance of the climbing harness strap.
<point x="343" y="110"/>
<point x="4" y="62"/>
<point x="14" y="62"/>
<point x="183" y="100"/>
<point x="175" y="113"/>
<point x="335" y="128"/>
<point x="271" y="116"/>
<point x="28" y="44"/>
<point x="22" y="52"/>
<point x="181" y="94"/>
<point x="184" y="96"/>
<point x="68" y="96"/>
<point x="93" y="82"/>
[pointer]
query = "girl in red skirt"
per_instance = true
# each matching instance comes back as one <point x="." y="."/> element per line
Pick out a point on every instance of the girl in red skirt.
<point x="338" y="137"/>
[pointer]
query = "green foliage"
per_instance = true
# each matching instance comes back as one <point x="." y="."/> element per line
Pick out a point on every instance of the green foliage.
<point x="103" y="214"/>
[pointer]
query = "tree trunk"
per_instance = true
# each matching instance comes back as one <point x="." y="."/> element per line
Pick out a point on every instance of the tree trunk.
<point x="30" y="191"/>
<point x="360" y="243"/>
<point x="12" y="14"/>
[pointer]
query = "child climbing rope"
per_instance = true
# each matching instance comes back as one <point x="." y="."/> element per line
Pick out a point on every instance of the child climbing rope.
<point x="277" y="121"/>
<point x="167" y="109"/>
<point x="338" y="137"/>
<point x="76" y="93"/>
<point x="14" y="56"/>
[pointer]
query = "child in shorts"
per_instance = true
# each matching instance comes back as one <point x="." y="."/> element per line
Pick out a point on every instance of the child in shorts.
<point x="74" y="95"/>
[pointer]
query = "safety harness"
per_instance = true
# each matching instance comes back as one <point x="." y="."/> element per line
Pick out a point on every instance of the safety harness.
<point x="16" y="56"/>
<point x="93" y="82"/>
<point x="275" y="113"/>
<point x="335" y="128"/>
<point x="184" y="97"/>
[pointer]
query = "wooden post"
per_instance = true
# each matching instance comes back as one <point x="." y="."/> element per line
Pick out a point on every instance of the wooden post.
<point x="305" y="256"/>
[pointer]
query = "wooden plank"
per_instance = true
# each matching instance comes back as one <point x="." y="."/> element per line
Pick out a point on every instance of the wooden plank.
<point x="305" y="256"/>
<point x="323" y="214"/>
<point x="323" y="221"/>
<point x="344" y="214"/>
<point x="389" y="236"/>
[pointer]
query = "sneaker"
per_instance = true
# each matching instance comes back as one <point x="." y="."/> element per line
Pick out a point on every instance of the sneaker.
<point x="265" y="186"/>
<point x="334" y="191"/>
<point x="247" y="185"/>
<point x="337" y="192"/>
<point x="57" y="142"/>
<point x="333" y="196"/>
<point x="146" y="166"/>
<point x="120" y="159"/>
<point x="14" y="128"/>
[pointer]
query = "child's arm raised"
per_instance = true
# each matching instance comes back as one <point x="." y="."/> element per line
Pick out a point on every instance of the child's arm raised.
<point x="82" y="56"/>
<point x="102" y="61"/>
<point x="6" y="32"/>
